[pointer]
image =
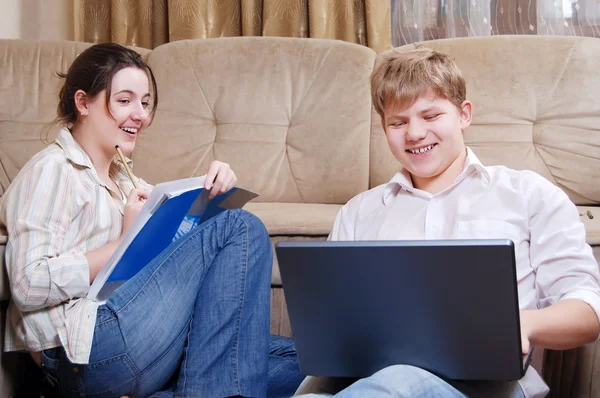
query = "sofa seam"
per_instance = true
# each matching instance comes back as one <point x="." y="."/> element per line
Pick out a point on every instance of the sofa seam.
<point x="311" y="85"/>
<point x="292" y="119"/>
<point x="207" y="104"/>
<point x="560" y="76"/>
<point x="289" y="161"/>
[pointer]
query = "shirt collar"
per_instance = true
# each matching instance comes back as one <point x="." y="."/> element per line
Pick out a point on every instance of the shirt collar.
<point x="118" y="172"/>
<point x="402" y="179"/>
<point x="73" y="150"/>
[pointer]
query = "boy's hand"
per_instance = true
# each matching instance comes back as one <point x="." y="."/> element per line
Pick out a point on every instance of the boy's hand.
<point x="524" y="344"/>
<point x="525" y="331"/>
<point x="219" y="179"/>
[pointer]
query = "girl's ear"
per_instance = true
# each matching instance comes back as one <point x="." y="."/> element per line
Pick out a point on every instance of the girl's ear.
<point x="81" y="102"/>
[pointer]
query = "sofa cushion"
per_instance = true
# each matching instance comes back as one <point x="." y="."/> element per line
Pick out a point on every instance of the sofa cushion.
<point x="295" y="218"/>
<point x="533" y="108"/>
<point x="291" y="116"/>
<point x="301" y="221"/>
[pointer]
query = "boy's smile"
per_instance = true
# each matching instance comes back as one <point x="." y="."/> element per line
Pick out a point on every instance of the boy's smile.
<point x="427" y="139"/>
<point x="421" y="150"/>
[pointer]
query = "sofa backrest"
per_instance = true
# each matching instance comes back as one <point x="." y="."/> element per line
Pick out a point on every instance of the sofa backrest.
<point x="291" y="116"/>
<point x="535" y="106"/>
<point x="29" y="90"/>
<point x="29" y="87"/>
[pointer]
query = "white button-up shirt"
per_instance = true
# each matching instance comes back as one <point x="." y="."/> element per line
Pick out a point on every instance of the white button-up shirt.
<point x="552" y="258"/>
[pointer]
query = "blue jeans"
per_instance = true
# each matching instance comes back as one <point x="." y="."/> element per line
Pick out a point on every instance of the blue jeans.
<point x="194" y="322"/>
<point x="404" y="381"/>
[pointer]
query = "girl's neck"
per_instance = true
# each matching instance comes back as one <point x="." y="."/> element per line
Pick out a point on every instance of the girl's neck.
<point x="100" y="159"/>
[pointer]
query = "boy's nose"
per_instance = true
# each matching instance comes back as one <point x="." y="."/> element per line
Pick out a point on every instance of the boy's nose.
<point x="415" y="132"/>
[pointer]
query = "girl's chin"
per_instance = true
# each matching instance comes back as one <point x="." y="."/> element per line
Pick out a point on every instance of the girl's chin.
<point x="126" y="147"/>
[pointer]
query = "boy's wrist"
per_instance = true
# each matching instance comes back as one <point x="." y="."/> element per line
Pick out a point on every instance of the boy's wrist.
<point x="528" y="324"/>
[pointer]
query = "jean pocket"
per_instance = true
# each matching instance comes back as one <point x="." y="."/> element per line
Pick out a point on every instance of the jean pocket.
<point x="53" y="363"/>
<point x="49" y="359"/>
<point x="49" y="364"/>
<point x="115" y="376"/>
<point x="104" y="314"/>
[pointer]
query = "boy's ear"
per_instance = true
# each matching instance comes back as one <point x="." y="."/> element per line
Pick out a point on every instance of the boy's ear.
<point x="81" y="102"/>
<point x="466" y="114"/>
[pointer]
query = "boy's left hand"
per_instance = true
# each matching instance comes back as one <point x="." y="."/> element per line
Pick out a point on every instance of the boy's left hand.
<point x="524" y="344"/>
<point x="219" y="179"/>
<point x="525" y="330"/>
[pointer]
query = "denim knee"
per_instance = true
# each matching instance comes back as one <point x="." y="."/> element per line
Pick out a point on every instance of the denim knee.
<point x="402" y="372"/>
<point x="404" y="379"/>
<point x="256" y="229"/>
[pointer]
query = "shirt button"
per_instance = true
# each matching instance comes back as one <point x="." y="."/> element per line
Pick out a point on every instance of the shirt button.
<point x="75" y="369"/>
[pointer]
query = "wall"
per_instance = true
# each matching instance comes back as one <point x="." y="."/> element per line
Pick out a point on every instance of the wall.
<point x="36" y="19"/>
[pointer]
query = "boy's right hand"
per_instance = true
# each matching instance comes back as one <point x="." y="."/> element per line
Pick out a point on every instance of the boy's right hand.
<point x="135" y="202"/>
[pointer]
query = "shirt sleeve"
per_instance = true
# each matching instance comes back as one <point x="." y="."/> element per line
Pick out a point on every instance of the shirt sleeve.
<point x="564" y="263"/>
<point x="39" y="211"/>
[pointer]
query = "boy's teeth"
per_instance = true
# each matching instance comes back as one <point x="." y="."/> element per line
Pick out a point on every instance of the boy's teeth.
<point x="421" y="150"/>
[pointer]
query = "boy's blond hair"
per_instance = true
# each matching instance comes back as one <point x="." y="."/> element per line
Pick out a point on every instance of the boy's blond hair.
<point x="399" y="78"/>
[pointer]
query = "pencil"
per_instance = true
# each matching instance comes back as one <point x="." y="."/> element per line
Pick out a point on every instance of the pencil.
<point x="135" y="185"/>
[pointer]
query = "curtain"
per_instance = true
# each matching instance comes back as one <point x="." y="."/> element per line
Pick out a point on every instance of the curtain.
<point x="150" y="23"/>
<point x="419" y="20"/>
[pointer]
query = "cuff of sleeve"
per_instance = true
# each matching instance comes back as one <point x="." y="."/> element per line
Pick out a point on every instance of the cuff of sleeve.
<point x="592" y="298"/>
<point x="69" y="276"/>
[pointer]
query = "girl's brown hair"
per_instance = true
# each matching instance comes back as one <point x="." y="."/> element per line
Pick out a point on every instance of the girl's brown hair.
<point x="93" y="71"/>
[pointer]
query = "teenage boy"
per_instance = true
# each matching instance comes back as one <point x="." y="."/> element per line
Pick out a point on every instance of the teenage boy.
<point x="445" y="192"/>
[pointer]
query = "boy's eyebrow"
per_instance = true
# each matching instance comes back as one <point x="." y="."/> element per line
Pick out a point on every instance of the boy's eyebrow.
<point x="433" y="108"/>
<point x="394" y="118"/>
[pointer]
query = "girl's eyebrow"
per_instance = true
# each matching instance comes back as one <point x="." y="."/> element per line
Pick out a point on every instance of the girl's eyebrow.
<point x="131" y="92"/>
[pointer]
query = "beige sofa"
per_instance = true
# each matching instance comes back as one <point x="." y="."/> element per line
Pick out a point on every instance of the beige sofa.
<point x="294" y="119"/>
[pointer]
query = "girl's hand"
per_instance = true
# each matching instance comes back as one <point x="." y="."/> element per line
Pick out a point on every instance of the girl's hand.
<point x="219" y="179"/>
<point x="135" y="202"/>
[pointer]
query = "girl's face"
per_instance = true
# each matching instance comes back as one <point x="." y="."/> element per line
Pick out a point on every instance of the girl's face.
<point x="128" y="111"/>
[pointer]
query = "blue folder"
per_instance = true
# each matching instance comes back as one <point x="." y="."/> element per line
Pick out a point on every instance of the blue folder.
<point x="170" y="221"/>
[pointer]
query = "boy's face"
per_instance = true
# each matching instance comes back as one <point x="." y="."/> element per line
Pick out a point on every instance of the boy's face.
<point x="427" y="137"/>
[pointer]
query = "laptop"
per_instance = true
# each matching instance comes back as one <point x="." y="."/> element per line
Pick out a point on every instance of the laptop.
<point x="450" y="307"/>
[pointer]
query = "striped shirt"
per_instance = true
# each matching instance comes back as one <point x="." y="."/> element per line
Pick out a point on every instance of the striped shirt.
<point x="55" y="210"/>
